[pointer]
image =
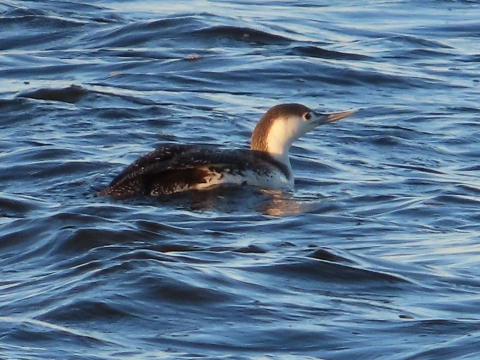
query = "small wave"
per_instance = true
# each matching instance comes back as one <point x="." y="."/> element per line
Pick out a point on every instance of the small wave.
<point x="178" y="291"/>
<point x="457" y="28"/>
<point x="138" y="33"/>
<point x="456" y="199"/>
<point x="27" y="329"/>
<point x="328" y="255"/>
<point x="418" y="41"/>
<point x="243" y="34"/>
<point x="83" y="240"/>
<point x="40" y="28"/>
<point x="463" y="343"/>
<point x="17" y="206"/>
<point x="71" y="94"/>
<point x="419" y="168"/>
<point x="318" y="52"/>
<point x="329" y="271"/>
<point x="84" y="309"/>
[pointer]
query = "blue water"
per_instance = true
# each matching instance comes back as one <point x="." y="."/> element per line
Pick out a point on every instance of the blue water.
<point x="376" y="254"/>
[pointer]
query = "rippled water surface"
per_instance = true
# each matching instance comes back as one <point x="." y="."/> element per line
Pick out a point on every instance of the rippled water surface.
<point x="376" y="254"/>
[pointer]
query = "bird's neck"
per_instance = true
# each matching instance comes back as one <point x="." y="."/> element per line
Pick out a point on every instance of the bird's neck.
<point x="275" y="151"/>
<point x="275" y="140"/>
<point x="280" y="154"/>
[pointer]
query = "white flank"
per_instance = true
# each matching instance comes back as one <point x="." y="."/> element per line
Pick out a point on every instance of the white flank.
<point x="274" y="179"/>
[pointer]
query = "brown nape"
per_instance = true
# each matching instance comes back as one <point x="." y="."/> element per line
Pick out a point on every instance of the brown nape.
<point x="259" y="135"/>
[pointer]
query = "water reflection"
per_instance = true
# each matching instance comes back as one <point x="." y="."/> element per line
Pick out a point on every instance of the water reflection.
<point x="233" y="199"/>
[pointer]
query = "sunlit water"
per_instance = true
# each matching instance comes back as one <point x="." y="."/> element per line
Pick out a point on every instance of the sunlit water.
<point x="376" y="253"/>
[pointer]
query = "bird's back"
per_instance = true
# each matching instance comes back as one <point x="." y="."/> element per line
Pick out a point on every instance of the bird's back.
<point x="175" y="168"/>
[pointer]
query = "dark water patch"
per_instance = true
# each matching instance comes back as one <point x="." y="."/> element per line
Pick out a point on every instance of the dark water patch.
<point x="157" y="226"/>
<point x="122" y="113"/>
<point x="244" y="34"/>
<point x="442" y="326"/>
<point x="386" y="140"/>
<point x="318" y="52"/>
<point x="470" y="189"/>
<point x="173" y="248"/>
<point x="424" y="183"/>
<point x="16" y="108"/>
<point x="85" y="310"/>
<point x="18" y="206"/>
<point x="251" y="249"/>
<point x="327" y="271"/>
<point x="328" y="255"/>
<point x="473" y="110"/>
<point x="457" y="199"/>
<point x="71" y="241"/>
<point x="71" y="94"/>
<point x="180" y="291"/>
<point x="349" y="76"/>
<point x="418" y="54"/>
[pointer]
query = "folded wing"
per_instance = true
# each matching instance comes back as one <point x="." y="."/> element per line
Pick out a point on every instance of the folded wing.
<point x="175" y="168"/>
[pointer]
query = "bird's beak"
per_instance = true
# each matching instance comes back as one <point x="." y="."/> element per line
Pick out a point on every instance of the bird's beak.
<point x="328" y="118"/>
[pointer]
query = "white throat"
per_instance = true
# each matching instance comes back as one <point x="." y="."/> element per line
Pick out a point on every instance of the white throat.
<point x="279" y="139"/>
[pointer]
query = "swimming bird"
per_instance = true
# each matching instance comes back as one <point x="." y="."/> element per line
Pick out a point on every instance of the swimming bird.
<point x="176" y="168"/>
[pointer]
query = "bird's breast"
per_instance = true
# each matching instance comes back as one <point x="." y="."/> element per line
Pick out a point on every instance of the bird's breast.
<point x="270" y="178"/>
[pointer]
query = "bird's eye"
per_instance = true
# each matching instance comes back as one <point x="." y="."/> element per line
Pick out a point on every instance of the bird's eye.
<point x="307" y="116"/>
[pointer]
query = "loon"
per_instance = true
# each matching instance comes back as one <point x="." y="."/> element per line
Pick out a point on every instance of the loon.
<point x="177" y="168"/>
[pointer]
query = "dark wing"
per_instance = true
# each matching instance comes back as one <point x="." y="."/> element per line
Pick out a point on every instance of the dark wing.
<point x="158" y="156"/>
<point x="176" y="168"/>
